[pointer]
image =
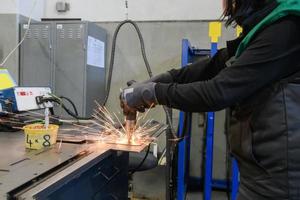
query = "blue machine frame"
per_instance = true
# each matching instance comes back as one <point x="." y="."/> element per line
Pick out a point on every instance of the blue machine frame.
<point x="188" y="53"/>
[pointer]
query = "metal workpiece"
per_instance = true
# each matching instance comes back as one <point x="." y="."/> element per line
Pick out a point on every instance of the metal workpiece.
<point x="106" y="142"/>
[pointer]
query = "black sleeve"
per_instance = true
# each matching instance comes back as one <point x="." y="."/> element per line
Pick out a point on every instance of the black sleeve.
<point x="203" y="69"/>
<point x="266" y="60"/>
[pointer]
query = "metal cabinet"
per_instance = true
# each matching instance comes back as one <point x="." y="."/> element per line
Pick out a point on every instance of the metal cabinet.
<point x="36" y="55"/>
<point x="68" y="56"/>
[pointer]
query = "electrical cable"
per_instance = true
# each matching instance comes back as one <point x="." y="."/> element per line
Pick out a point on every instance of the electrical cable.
<point x="59" y="101"/>
<point x="184" y="134"/>
<point x="169" y="122"/>
<point x="75" y="114"/>
<point x="71" y="102"/>
<point x="113" y="50"/>
<point x="22" y="40"/>
<point x="142" y="162"/>
<point x="162" y="156"/>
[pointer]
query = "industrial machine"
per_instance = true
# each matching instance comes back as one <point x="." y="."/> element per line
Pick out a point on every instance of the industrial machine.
<point x="20" y="99"/>
<point x="67" y="56"/>
<point x="16" y="100"/>
<point x="6" y="82"/>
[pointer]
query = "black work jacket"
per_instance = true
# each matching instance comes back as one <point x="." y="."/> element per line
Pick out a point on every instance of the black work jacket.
<point x="263" y="87"/>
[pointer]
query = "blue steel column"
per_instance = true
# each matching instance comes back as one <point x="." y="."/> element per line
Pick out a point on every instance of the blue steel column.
<point x="182" y="160"/>
<point x="209" y="144"/>
<point x="235" y="180"/>
<point x="188" y="147"/>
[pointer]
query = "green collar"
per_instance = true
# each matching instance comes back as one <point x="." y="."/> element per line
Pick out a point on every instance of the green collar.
<point x="285" y="7"/>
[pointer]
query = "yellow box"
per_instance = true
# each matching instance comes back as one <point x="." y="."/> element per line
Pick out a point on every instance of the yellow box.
<point x="6" y="80"/>
<point x="37" y="137"/>
<point x="215" y="31"/>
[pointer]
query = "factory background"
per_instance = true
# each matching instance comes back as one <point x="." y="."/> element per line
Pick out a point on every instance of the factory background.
<point x="163" y="25"/>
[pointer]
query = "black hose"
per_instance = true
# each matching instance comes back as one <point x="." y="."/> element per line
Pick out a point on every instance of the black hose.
<point x="72" y="103"/>
<point x="141" y="163"/>
<point x="72" y="114"/>
<point x="112" y="55"/>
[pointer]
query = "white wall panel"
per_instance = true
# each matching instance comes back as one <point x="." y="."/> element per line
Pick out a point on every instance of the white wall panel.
<point x="8" y="6"/>
<point x="114" y="10"/>
<point x="27" y="8"/>
<point x="23" y="7"/>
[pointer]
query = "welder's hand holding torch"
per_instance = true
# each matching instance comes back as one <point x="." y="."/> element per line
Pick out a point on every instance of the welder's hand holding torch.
<point x="138" y="97"/>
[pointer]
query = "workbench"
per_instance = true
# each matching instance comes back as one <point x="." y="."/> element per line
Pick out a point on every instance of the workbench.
<point x="63" y="171"/>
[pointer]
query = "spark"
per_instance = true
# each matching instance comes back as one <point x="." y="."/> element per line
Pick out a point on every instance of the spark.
<point x="105" y="126"/>
<point x="59" y="146"/>
<point x="108" y="121"/>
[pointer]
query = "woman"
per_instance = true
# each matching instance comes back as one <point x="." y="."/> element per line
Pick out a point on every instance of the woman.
<point x="258" y="76"/>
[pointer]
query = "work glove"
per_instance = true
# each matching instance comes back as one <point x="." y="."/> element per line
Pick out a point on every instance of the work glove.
<point x="161" y="78"/>
<point x="138" y="96"/>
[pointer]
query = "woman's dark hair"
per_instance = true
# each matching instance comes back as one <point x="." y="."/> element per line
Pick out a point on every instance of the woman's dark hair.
<point x="238" y="10"/>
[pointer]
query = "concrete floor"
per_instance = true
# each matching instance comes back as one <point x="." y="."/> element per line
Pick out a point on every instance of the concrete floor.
<point x="150" y="185"/>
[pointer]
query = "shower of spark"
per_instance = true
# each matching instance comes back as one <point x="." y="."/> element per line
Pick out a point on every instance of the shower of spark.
<point x="105" y="126"/>
<point x="113" y="131"/>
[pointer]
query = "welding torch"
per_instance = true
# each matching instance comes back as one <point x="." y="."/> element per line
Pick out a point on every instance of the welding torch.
<point x="136" y="98"/>
<point x="130" y="120"/>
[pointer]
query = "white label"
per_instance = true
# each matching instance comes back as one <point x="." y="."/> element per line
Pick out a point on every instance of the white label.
<point x="25" y="97"/>
<point x="25" y="26"/>
<point x="59" y="26"/>
<point x="95" y="52"/>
